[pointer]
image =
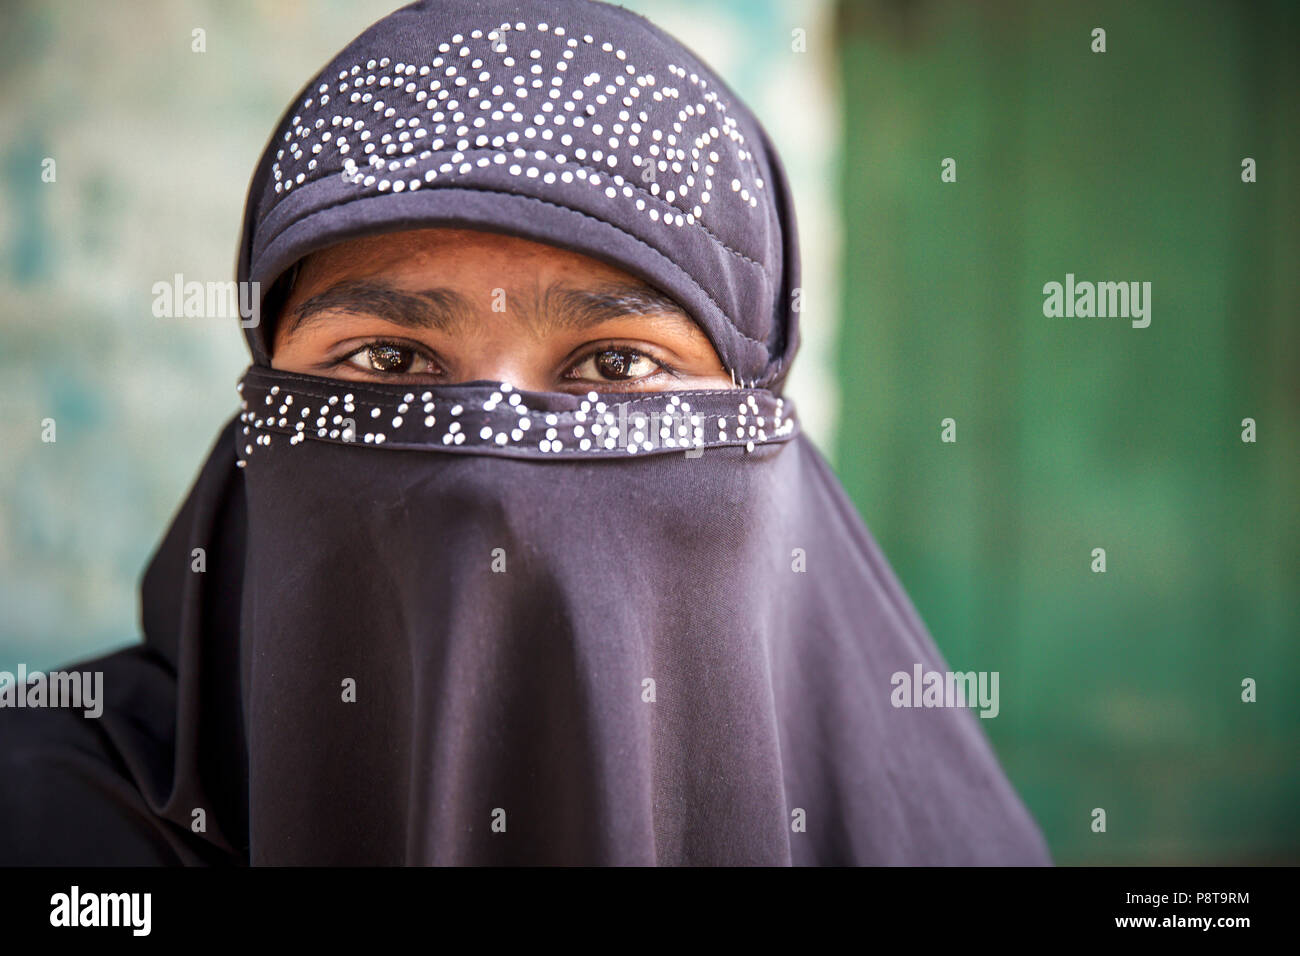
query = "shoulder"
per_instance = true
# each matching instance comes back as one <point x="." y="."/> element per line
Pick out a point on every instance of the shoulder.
<point x="67" y="794"/>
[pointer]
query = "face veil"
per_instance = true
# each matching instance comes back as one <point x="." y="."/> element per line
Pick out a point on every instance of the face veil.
<point x="471" y="624"/>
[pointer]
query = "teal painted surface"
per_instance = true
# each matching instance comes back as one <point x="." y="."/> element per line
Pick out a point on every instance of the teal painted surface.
<point x="153" y="145"/>
<point x="1120" y="690"/>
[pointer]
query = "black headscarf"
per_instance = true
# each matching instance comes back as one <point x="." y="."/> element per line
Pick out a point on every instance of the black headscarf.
<point x="471" y="624"/>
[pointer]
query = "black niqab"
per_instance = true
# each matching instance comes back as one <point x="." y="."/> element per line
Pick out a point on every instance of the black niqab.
<point x="468" y="624"/>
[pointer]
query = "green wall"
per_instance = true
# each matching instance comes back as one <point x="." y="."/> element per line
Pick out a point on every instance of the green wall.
<point x="1120" y="690"/>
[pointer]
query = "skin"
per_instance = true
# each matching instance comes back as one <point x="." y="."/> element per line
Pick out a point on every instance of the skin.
<point x="440" y="306"/>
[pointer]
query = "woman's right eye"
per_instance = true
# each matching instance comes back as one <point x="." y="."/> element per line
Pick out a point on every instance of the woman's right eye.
<point x="388" y="358"/>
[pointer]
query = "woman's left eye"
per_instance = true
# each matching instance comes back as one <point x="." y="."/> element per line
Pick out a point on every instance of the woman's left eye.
<point x="388" y="359"/>
<point x="615" y="365"/>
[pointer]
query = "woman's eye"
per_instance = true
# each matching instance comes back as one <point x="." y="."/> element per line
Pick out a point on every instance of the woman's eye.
<point x="615" y="365"/>
<point x="388" y="359"/>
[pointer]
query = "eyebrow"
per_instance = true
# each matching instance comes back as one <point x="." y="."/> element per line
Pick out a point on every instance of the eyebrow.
<point x="425" y="309"/>
<point x="447" y="310"/>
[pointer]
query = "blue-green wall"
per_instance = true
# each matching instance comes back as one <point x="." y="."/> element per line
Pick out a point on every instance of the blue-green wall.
<point x="1120" y="690"/>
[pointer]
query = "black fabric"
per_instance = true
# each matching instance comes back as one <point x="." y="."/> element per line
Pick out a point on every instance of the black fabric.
<point x="466" y="624"/>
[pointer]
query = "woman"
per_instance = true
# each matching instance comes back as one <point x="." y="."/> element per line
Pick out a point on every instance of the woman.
<point x="515" y="552"/>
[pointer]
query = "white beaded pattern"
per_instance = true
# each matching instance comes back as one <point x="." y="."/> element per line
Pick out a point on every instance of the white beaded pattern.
<point x="608" y="425"/>
<point x="490" y="100"/>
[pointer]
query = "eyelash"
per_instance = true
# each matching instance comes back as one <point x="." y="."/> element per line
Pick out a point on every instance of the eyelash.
<point x="382" y="343"/>
<point x="596" y="348"/>
<point x="589" y="352"/>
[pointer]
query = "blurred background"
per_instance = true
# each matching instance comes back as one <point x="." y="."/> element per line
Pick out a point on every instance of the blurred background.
<point x="923" y="302"/>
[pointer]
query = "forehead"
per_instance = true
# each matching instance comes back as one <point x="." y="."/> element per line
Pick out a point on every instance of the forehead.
<point x="441" y="278"/>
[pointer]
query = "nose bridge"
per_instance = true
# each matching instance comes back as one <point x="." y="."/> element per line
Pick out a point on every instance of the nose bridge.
<point x="517" y="374"/>
<point x="503" y="344"/>
<point x="506" y="355"/>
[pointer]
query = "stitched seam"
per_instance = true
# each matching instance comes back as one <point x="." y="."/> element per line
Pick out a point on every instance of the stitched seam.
<point x="269" y="423"/>
<point x="381" y="399"/>
<point x="529" y="452"/>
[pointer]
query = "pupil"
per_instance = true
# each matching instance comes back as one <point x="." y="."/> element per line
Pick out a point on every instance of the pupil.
<point x="614" y="364"/>
<point x="388" y="358"/>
